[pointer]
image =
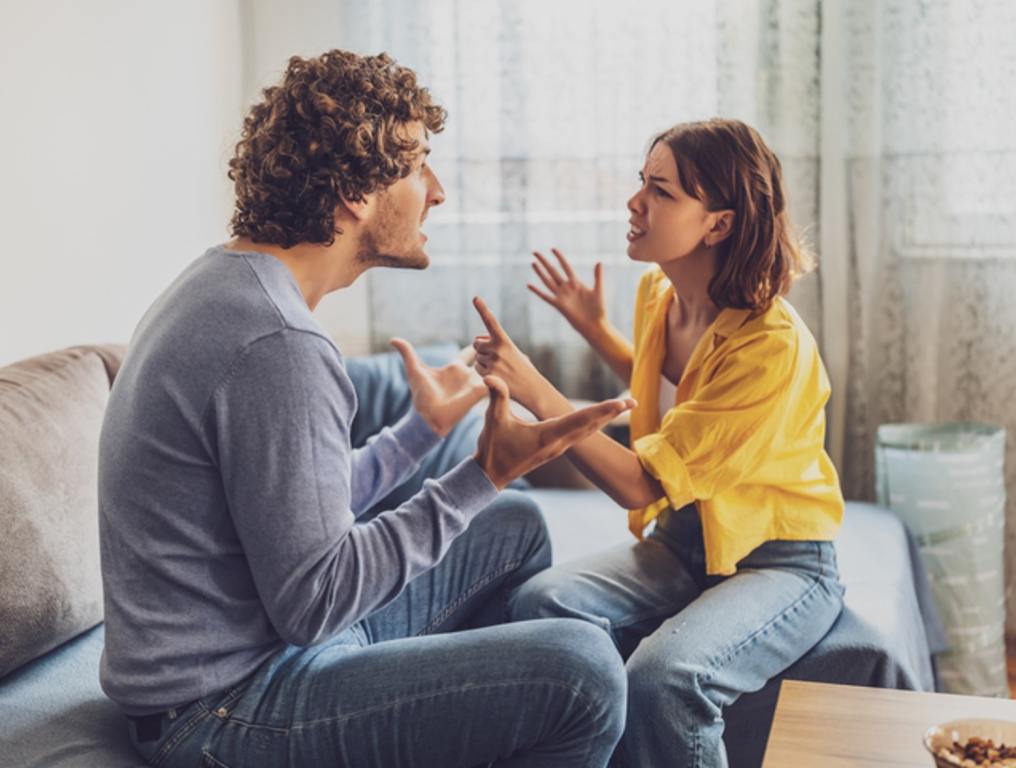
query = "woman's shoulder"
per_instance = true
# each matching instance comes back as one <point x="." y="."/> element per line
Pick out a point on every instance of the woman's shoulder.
<point x="779" y="326"/>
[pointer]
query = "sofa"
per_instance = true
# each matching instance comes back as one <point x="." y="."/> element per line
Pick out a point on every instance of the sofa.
<point x="52" y="710"/>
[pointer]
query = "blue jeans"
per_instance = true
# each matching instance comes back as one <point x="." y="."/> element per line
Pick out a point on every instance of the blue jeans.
<point x="406" y="687"/>
<point x="693" y="642"/>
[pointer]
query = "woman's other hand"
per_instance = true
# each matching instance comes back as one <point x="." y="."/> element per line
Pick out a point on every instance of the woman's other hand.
<point x="582" y="305"/>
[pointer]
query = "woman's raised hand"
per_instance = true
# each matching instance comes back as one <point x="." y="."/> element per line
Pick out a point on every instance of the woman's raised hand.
<point x="582" y="306"/>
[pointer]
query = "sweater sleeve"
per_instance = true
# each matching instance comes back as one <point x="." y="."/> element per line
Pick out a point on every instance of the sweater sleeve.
<point x="280" y="421"/>
<point x="388" y="458"/>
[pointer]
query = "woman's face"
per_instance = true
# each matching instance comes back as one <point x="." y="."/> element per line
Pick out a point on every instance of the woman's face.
<point x="666" y="222"/>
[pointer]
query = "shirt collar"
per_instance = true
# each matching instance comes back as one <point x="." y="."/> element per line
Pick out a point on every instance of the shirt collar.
<point x="729" y="320"/>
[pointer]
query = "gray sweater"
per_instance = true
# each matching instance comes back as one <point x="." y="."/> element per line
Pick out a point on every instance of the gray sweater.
<point x="229" y="492"/>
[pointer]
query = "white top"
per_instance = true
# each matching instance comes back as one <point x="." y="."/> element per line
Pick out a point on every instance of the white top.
<point x="668" y="396"/>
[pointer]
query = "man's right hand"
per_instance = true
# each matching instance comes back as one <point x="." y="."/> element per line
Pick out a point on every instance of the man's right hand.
<point x="509" y="447"/>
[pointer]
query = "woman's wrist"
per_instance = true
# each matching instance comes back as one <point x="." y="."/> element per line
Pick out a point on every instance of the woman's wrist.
<point x="548" y="402"/>
<point x="596" y="331"/>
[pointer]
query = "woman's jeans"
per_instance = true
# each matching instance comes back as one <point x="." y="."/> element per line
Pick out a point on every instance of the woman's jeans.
<point x="404" y="687"/>
<point x="693" y="642"/>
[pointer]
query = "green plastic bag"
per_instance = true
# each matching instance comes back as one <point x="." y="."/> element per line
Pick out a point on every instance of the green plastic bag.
<point x="945" y="481"/>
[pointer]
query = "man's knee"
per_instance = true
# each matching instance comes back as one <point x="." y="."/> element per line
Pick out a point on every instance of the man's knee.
<point x="514" y="514"/>
<point x="588" y="662"/>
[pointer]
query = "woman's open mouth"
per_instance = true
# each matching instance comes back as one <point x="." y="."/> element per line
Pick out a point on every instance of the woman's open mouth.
<point x="635" y="233"/>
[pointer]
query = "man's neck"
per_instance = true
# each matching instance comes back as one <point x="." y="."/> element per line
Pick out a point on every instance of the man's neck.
<point x="317" y="269"/>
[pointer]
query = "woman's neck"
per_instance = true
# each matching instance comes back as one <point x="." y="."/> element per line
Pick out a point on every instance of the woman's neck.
<point x="691" y="276"/>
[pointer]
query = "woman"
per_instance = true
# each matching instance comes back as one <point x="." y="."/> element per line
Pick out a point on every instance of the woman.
<point x="738" y="579"/>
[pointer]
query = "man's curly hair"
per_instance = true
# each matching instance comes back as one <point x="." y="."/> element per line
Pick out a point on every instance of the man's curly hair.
<point x="333" y="129"/>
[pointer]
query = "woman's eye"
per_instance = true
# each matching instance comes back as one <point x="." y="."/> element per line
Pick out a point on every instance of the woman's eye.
<point x="659" y="192"/>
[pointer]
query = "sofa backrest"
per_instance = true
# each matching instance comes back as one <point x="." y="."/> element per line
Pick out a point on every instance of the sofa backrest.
<point x="51" y="410"/>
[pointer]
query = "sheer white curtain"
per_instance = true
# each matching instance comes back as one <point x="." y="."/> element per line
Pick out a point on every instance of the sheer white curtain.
<point x="928" y="100"/>
<point x="552" y="104"/>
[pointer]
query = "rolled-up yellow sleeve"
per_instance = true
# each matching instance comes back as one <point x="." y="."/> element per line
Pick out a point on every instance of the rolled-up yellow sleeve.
<point x="660" y="460"/>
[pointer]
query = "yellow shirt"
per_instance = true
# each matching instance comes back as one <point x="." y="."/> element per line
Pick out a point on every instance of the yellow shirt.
<point x="745" y="439"/>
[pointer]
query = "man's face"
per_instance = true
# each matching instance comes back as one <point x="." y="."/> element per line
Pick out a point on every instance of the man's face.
<point x="392" y="236"/>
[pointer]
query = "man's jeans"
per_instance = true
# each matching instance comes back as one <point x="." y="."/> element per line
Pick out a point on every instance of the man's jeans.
<point x="693" y="643"/>
<point x="402" y="687"/>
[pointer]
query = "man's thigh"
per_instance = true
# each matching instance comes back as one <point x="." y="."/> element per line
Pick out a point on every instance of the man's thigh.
<point x="504" y="545"/>
<point x="459" y="699"/>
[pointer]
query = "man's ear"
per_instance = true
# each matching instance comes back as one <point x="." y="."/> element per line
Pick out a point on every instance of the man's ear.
<point x="723" y="226"/>
<point x="357" y="209"/>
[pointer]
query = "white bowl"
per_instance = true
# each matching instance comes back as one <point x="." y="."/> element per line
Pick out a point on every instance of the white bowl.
<point x="944" y="734"/>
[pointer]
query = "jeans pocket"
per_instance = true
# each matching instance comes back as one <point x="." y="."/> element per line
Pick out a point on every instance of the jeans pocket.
<point x="178" y="732"/>
<point x="208" y="760"/>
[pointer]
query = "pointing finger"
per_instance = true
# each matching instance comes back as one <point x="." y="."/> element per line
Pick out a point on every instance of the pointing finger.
<point x="493" y="326"/>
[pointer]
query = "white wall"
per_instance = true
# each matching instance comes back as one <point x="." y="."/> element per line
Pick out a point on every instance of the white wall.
<point x="118" y="119"/>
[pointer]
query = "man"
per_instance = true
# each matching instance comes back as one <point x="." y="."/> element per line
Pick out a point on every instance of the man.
<point x="250" y="618"/>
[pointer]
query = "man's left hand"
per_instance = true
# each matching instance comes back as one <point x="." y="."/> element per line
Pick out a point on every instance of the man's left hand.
<point x="443" y="395"/>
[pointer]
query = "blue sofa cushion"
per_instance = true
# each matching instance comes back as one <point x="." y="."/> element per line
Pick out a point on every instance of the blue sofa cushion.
<point x="53" y="714"/>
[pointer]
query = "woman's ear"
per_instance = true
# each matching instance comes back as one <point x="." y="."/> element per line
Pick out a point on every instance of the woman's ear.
<point x="722" y="227"/>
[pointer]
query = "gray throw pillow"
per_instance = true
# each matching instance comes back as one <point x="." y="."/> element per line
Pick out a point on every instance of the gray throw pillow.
<point x="51" y="411"/>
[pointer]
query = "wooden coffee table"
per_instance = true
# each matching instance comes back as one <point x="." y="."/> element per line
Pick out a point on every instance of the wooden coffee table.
<point x="818" y="725"/>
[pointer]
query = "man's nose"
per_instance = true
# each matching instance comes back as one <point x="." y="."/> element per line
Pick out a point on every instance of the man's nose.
<point x="437" y="193"/>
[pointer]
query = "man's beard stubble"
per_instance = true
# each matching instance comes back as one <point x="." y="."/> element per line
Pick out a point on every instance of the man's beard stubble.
<point x="378" y="241"/>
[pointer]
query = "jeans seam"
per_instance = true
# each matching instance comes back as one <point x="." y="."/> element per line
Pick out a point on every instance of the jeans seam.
<point x="274" y="729"/>
<point x="444" y="692"/>
<point x="473" y="589"/>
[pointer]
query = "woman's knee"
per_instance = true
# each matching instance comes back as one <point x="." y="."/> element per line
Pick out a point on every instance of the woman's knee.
<point x="666" y="677"/>
<point x="546" y="595"/>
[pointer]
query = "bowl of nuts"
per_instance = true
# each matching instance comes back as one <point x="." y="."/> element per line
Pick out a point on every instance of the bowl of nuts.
<point x="973" y="744"/>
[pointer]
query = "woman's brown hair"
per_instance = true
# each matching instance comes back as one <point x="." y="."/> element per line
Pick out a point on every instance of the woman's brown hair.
<point x="333" y="129"/>
<point x="726" y="165"/>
